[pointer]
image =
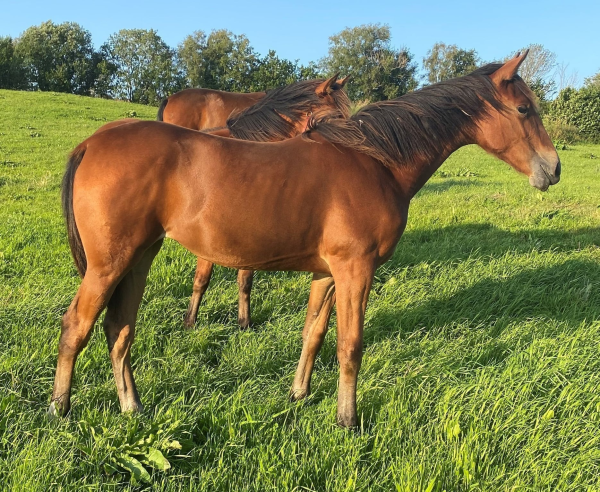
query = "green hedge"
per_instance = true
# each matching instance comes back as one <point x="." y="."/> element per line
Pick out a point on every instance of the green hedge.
<point x="580" y="108"/>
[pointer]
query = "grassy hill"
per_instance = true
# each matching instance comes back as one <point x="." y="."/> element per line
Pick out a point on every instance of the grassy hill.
<point x="482" y="354"/>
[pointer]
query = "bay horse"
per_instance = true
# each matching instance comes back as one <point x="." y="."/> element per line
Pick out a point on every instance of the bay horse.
<point x="199" y="109"/>
<point x="333" y="201"/>
<point x="283" y="113"/>
<point x="202" y="109"/>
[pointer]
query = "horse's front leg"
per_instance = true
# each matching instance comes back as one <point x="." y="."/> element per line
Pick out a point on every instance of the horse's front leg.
<point x="244" y="280"/>
<point x="353" y="282"/>
<point x="204" y="271"/>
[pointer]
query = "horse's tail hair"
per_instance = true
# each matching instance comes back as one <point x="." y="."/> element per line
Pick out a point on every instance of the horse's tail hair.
<point x="161" y="109"/>
<point x="67" y="205"/>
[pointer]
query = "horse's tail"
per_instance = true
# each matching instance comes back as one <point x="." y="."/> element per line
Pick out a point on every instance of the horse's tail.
<point x="67" y="205"/>
<point x="161" y="109"/>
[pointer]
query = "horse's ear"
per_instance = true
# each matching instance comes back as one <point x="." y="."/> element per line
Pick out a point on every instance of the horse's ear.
<point x="342" y="82"/>
<point x="325" y="88"/>
<point x="509" y="69"/>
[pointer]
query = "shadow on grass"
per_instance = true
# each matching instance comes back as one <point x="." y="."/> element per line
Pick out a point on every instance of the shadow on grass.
<point x="459" y="242"/>
<point x="565" y="292"/>
<point x="446" y="244"/>
<point x="435" y="187"/>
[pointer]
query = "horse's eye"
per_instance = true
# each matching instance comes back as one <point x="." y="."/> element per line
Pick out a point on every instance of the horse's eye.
<point x="523" y="109"/>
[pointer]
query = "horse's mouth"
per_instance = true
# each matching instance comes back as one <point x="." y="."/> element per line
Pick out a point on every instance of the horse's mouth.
<point x="542" y="180"/>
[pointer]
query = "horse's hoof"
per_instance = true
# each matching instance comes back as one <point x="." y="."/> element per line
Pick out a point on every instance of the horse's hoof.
<point x="347" y="421"/>
<point x="135" y="407"/>
<point x="244" y="323"/>
<point x="298" y="394"/>
<point x="52" y="412"/>
<point x="55" y="411"/>
<point x="188" y="323"/>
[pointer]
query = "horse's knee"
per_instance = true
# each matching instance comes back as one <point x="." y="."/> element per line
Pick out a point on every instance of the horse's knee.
<point x="349" y="354"/>
<point x="201" y="283"/>
<point x="245" y="280"/>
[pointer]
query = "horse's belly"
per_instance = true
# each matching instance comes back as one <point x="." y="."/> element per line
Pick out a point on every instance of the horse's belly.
<point x="252" y="245"/>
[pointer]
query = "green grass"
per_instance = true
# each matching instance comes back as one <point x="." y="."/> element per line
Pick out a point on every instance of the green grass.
<point x="482" y="343"/>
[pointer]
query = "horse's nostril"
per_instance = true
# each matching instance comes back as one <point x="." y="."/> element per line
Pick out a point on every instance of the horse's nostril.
<point x="557" y="171"/>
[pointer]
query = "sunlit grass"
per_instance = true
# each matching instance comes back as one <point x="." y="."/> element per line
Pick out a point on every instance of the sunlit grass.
<point x="481" y="367"/>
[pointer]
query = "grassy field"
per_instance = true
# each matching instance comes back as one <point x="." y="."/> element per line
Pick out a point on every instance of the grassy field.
<point x="482" y="344"/>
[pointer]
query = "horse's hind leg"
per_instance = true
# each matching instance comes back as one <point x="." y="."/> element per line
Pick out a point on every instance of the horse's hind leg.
<point x="244" y="280"/>
<point x="77" y="323"/>
<point x="119" y="328"/>
<point x="201" y="280"/>
<point x="320" y="305"/>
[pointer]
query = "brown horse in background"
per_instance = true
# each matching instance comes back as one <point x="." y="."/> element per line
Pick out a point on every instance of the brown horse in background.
<point x="199" y="109"/>
<point x="333" y="202"/>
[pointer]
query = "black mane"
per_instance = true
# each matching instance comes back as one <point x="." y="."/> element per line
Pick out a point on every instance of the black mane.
<point x="420" y="123"/>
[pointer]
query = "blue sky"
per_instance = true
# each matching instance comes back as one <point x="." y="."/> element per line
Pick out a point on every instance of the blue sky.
<point x="300" y="30"/>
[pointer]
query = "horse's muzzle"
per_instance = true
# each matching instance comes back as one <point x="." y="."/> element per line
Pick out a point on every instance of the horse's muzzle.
<point x="545" y="175"/>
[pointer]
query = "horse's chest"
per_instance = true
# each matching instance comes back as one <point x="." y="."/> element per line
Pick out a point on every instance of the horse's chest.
<point x="391" y="227"/>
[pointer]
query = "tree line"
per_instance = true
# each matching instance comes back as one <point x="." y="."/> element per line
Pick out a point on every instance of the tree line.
<point x="138" y="66"/>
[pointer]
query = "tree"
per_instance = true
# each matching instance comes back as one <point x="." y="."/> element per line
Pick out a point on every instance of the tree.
<point x="580" y="108"/>
<point x="12" y="71"/>
<point x="593" y="81"/>
<point x="310" y="71"/>
<point x="272" y="71"/>
<point x="223" y="60"/>
<point x="565" y="78"/>
<point x="105" y="73"/>
<point x="539" y="64"/>
<point x="145" y="68"/>
<point x="536" y="70"/>
<point x="58" y="57"/>
<point x="226" y="61"/>
<point x="447" y="61"/>
<point x="189" y="55"/>
<point x="379" y="71"/>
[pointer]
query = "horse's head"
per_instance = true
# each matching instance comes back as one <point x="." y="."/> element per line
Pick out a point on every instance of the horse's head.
<point x="324" y="104"/>
<point x="514" y="132"/>
<point x="332" y="101"/>
<point x="285" y="112"/>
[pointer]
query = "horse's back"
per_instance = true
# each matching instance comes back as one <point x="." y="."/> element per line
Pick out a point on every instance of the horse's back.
<point x="199" y="109"/>
<point x="218" y="196"/>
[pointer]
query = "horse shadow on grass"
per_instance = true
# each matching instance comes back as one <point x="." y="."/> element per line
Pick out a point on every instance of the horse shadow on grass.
<point x="566" y="292"/>
<point x="448" y="244"/>
<point x="462" y="241"/>
<point x="437" y="187"/>
<point x="559" y="297"/>
<point x="556" y="299"/>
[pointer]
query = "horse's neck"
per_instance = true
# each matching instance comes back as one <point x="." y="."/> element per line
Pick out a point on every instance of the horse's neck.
<point x="412" y="177"/>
